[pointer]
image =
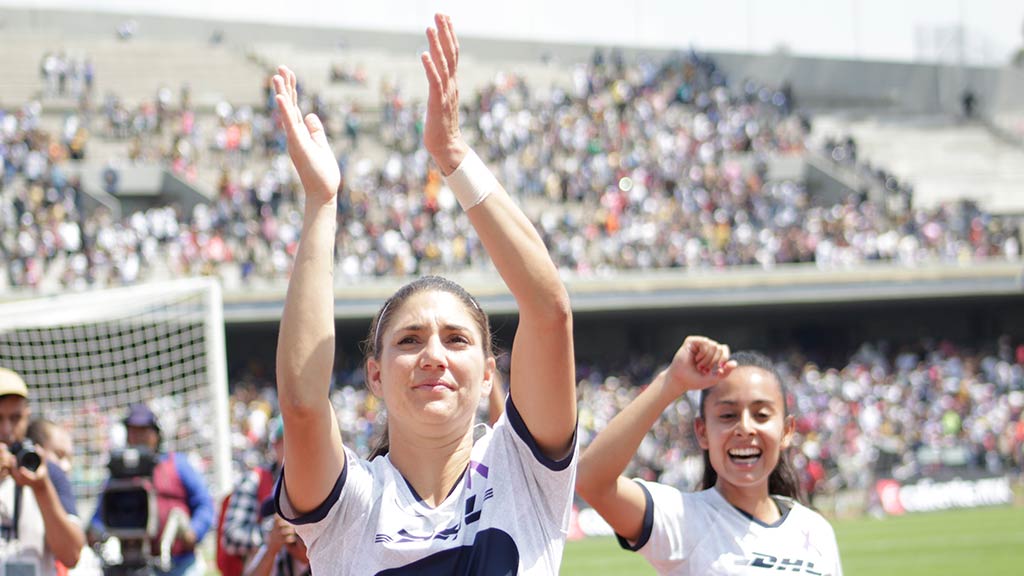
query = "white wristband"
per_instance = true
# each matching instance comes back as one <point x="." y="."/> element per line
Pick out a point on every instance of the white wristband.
<point x="472" y="181"/>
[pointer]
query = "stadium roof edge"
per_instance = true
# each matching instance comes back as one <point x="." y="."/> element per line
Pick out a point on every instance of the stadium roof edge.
<point x="791" y="284"/>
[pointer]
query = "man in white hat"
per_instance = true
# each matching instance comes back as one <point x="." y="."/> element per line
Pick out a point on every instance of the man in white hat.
<point x="38" y="521"/>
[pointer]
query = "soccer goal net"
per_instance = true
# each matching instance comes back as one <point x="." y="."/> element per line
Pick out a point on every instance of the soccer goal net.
<point x="87" y="357"/>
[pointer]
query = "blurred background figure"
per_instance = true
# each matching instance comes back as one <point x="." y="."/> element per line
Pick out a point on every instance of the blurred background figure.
<point x="177" y="487"/>
<point x="240" y="530"/>
<point x="38" y="517"/>
<point x="282" y="553"/>
<point x="55" y="439"/>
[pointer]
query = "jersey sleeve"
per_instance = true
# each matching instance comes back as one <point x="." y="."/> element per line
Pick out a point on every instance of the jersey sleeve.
<point x="351" y="497"/>
<point x="664" y="538"/>
<point x="646" y="527"/>
<point x="552" y="480"/>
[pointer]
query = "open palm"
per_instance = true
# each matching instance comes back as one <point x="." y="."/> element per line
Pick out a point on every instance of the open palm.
<point x="307" y="142"/>
<point x="441" y="133"/>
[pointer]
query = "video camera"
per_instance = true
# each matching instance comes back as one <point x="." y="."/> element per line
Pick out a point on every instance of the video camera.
<point x="130" y="513"/>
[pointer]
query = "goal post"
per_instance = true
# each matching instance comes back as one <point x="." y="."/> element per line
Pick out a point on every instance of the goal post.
<point x="87" y="356"/>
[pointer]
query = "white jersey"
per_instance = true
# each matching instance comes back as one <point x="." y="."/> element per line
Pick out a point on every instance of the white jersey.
<point x="509" y="514"/>
<point x="701" y="533"/>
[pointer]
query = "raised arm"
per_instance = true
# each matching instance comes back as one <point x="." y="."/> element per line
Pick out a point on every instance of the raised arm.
<point x="543" y="376"/>
<point x="699" y="363"/>
<point x="314" y="456"/>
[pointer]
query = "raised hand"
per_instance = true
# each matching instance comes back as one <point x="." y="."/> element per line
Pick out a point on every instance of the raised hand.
<point x="699" y="363"/>
<point x="441" y="134"/>
<point x="307" y="143"/>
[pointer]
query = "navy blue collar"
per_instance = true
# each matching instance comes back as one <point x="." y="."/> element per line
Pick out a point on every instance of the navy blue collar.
<point x="784" y="508"/>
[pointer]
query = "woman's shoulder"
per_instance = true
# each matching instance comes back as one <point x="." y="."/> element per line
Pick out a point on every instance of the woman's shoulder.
<point x="373" y="472"/>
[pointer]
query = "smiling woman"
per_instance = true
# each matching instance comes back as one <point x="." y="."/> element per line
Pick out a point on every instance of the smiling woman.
<point x="748" y="513"/>
<point x="444" y="496"/>
<point x="746" y="431"/>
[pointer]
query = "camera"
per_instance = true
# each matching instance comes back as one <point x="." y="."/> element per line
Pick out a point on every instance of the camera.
<point x="129" y="510"/>
<point x="130" y="513"/>
<point x="26" y="455"/>
<point x="129" y="501"/>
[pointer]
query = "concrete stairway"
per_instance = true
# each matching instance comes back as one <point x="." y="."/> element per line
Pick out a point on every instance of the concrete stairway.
<point x="944" y="159"/>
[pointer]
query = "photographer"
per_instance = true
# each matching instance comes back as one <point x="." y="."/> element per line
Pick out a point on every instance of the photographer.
<point x="38" y="526"/>
<point x="57" y="442"/>
<point x="178" y="487"/>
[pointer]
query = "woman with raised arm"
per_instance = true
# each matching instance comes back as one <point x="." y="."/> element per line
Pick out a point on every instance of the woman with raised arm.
<point x="445" y="496"/>
<point x="747" y="516"/>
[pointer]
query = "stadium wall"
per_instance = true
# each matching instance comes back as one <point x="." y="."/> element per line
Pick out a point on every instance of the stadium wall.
<point x="902" y="87"/>
<point x="1008" y="104"/>
<point x="817" y="82"/>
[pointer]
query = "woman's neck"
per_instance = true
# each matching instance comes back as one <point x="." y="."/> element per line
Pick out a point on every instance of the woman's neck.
<point x="432" y="466"/>
<point x="755" y="501"/>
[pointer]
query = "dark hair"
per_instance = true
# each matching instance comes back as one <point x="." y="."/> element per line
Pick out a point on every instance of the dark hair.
<point x="783" y="479"/>
<point x="374" y="339"/>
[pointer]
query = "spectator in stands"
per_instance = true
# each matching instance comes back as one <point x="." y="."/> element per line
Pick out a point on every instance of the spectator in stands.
<point x="968" y="101"/>
<point x="178" y="487"/>
<point x="39" y="525"/>
<point x="241" y="531"/>
<point x="749" y="507"/>
<point x="507" y="488"/>
<point x="127" y="29"/>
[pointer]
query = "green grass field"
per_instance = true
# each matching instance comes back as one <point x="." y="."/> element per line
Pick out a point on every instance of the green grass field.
<point x="986" y="541"/>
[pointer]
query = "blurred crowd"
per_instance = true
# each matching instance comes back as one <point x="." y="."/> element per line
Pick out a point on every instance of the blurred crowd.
<point x="925" y="410"/>
<point x="639" y="164"/>
<point x="928" y="410"/>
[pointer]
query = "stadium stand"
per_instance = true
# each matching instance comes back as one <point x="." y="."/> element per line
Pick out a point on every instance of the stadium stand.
<point x="640" y="164"/>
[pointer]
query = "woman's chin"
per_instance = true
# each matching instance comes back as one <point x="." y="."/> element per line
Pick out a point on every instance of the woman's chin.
<point x="438" y="410"/>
